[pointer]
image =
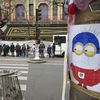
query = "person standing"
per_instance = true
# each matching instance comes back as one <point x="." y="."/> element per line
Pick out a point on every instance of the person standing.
<point x="49" y="51"/>
<point x="27" y="50"/>
<point x="7" y="49"/>
<point x="33" y="50"/>
<point x="53" y="49"/>
<point x="4" y="50"/>
<point x="23" y="50"/>
<point x="12" y="49"/>
<point x="41" y="49"/>
<point x="17" y="50"/>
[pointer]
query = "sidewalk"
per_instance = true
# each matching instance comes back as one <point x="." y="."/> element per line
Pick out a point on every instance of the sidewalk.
<point x="27" y="59"/>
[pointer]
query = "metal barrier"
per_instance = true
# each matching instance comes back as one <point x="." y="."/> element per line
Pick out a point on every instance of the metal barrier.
<point x="9" y="85"/>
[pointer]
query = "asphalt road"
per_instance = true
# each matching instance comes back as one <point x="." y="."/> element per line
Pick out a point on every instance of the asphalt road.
<point x="37" y="81"/>
<point x="45" y="80"/>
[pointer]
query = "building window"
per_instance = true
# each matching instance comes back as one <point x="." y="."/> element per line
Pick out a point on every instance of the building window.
<point x="44" y="11"/>
<point x="20" y="12"/>
<point x="31" y="11"/>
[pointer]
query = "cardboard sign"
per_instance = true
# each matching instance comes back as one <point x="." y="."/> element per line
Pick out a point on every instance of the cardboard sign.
<point x="84" y="59"/>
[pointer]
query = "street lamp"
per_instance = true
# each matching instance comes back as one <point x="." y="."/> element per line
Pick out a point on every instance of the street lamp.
<point x="37" y="58"/>
<point x="38" y="17"/>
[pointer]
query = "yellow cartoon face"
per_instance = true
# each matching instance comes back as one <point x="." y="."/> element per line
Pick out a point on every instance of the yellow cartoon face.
<point x="78" y="48"/>
<point x="89" y="49"/>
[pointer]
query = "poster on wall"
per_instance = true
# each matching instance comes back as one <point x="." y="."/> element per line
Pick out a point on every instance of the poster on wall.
<point x="84" y="59"/>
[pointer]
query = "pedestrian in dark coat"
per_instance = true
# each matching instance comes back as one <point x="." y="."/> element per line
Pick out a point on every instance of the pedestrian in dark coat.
<point x="49" y="51"/>
<point x="12" y="49"/>
<point x="7" y="49"/>
<point x="18" y="50"/>
<point x="41" y="49"/>
<point x="27" y="50"/>
<point x="4" y="50"/>
<point x="53" y="49"/>
<point x="23" y="50"/>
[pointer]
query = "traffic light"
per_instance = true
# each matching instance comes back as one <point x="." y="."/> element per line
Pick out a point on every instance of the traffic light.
<point x="38" y="14"/>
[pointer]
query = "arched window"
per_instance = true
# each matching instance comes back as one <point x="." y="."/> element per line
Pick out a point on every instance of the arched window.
<point x="20" y="12"/>
<point x="44" y="11"/>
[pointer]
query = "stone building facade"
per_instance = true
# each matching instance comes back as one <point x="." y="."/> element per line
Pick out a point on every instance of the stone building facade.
<point x="22" y="10"/>
<point x="21" y="16"/>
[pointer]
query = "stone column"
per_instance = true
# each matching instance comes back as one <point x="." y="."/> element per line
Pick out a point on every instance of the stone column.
<point x="51" y="10"/>
<point x="59" y="12"/>
<point x="27" y="9"/>
<point x="34" y="8"/>
<point x="12" y="12"/>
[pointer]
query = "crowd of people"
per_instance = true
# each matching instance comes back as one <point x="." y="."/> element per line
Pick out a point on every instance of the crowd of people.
<point x="14" y="50"/>
<point x="50" y="50"/>
<point x="23" y="50"/>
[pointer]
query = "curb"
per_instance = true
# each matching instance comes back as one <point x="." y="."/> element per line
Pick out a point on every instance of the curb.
<point x="37" y="61"/>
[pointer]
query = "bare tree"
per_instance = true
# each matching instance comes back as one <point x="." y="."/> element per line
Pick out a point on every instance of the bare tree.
<point x="5" y="13"/>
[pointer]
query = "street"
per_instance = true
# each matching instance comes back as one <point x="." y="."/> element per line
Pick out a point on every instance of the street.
<point x="38" y="81"/>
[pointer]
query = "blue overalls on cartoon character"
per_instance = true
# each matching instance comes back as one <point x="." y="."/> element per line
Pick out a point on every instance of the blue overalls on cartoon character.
<point x="85" y="64"/>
